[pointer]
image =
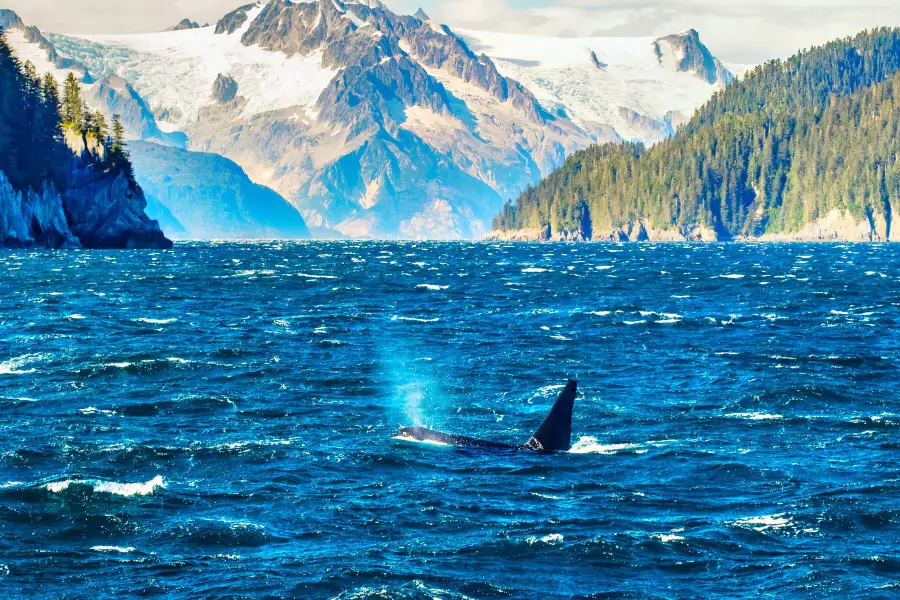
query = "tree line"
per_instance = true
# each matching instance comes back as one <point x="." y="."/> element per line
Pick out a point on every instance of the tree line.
<point x="789" y="143"/>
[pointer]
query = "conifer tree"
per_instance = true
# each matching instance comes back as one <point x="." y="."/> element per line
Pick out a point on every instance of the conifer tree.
<point x="100" y="127"/>
<point x="118" y="136"/>
<point x="71" y="104"/>
<point x="87" y="120"/>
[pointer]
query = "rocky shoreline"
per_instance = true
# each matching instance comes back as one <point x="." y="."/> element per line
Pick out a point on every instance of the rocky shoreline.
<point x="836" y="226"/>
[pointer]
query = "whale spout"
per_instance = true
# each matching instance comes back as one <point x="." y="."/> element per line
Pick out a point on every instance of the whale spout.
<point x="555" y="433"/>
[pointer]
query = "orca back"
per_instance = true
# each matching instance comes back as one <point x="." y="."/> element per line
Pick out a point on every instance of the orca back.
<point x="555" y="433"/>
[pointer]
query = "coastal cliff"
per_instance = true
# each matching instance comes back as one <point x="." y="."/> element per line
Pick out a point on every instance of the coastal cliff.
<point x="96" y="208"/>
<point x="65" y="181"/>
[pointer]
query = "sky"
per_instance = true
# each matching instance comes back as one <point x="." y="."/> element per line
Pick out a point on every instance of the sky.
<point x="737" y="31"/>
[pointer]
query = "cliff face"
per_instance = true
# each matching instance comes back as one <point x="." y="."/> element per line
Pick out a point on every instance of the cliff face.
<point x="33" y="218"/>
<point x="96" y="209"/>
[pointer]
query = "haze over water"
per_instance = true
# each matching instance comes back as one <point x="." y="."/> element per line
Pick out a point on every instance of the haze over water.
<point x="216" y="421"/>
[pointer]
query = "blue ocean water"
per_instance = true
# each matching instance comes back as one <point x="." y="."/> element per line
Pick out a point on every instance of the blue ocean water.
<point x="216" y="421"/>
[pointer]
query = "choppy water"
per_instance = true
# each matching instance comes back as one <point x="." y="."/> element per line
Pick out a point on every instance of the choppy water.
<point x="216" y="421"/>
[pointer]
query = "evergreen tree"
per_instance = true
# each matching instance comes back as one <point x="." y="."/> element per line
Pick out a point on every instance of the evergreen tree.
<point x="71" y="105"/>
<point x="88" y="126"/>
<point x="100" y="128"/>
<point x="118" y="136"/>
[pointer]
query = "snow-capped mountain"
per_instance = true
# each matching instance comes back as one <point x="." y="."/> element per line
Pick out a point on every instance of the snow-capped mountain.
<point x="375" y="124"/>
<point x="639" y="89"/>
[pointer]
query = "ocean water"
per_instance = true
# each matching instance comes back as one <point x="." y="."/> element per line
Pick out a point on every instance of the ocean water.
<point x="216" y="421"/>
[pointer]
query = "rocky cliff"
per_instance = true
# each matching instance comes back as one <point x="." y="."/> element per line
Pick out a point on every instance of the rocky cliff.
<point x="687" y="54"/>
<point x="95" y="209"/>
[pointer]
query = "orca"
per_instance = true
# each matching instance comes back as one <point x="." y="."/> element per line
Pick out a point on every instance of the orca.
<point x="554" y="434"/>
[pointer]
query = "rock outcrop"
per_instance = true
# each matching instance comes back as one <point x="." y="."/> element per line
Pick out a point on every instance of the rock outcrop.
<point x="689" y="55"/>
<point x="234" y="20"/>
<point x="635" y="231"/>
<point x="184" y="24"/>
<point x="33" y="218"/>
<point x="225" y="89"/>
<point x="95" y="211"/>
<point x="840" y="226"/>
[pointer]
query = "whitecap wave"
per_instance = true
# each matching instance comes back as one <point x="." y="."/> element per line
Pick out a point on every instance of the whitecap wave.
<point x="119" y="549"/>
<point x="156" y="321"/>
<point x="308" y="276"/>
<point x="414" y="319"/>
<point x="551" y="539"/>
<point x="91" y="410"/>
<point x="16" y="366"/>
<point x="432" y="287"/>
<point x="110" y="487"/>
<point x="763" y="523"/>
<point x="590" y="445"/>
<point x="754" y="416"/>
<point x="732" y="276"/>
<point x="534" y="270"/>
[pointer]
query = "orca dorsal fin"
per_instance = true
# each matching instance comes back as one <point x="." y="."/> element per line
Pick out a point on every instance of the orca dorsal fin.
<point x="555" y="433"/>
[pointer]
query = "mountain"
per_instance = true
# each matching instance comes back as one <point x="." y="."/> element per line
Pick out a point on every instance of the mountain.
<point x="60" y="187"/>
<point x="205" y="196"/>
<point x="634" y="89"/>
<point x="799" y="149"/>
<point x="184" y="24"/>
<point x="375" y="124"/>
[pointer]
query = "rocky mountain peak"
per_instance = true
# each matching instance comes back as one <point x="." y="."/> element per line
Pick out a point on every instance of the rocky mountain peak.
<point x="688" y="54"/>
<point x="421" y="15"/>
<point x="184" y="24"/>
<point x="10" y="20"/>
<point x="235" y="19"/>
<point x="225" y="88"/>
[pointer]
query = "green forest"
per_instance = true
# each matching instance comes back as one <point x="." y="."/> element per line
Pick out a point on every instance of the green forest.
<point x="780" y="148"/>
<point x="33" y="116"/>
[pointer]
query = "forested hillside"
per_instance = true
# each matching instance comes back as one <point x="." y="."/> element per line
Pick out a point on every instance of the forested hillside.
<point x="790" y="144"/>
<point x="65" y="180"/>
